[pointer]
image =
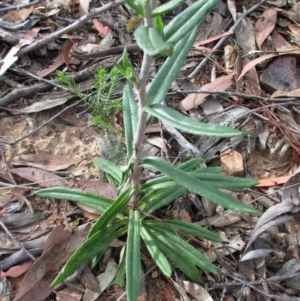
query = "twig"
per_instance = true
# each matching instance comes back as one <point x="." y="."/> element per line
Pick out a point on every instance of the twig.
<point x="230" y="93"/>
<point x="111" y="51"/>
<point x="38" y="88"/>
<point x="41" y="79"/>
<point x="271" y="279"/>
<point x="16" y="241"/>
<point x="18" y="7"/>
<point x="190" y="149"/>
<point x="260" y="291"/>
<point x="223" y="40"/>
<point x="75" y="25"/>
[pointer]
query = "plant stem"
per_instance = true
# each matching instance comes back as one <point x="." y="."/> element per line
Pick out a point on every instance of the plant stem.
<point x="140" y="89"/>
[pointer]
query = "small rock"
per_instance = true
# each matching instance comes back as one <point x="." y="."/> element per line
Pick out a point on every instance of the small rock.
<point x="281" y="74"/>
<point x="232" y="162"/>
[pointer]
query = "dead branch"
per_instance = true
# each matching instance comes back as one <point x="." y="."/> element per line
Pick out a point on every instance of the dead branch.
<point x="79" y="23"/>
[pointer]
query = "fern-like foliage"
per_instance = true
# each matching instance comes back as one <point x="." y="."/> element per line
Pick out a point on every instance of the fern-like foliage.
<point x="103" y="104"/>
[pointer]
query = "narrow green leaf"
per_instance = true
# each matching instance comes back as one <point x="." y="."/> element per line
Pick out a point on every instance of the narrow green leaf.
<point x="117" y="207"/>
<point x="181" y="262"/>
<point x="137" y="8"/>
<point x="178" y="28"/>
<point x="187" y="228"/>
<point x="108" y="167"/>
<point x="167" y="73"/>
<point x="210" y="170"/>
<point x="163" y="198"/>
<point x="130" y="118"/>
<point x="168" y="235"/>
<point x="119" y="280"/>
<point x="170" y="5"/>
<point x="190" y="164"/>
<point x="133" y="256"/>
<point x="190" y="125"/>
<point x="157" y="255"/>
<point x="94" y="245"/>
<point x="186" y="166"/>
<point x="197" y="186"/>
<point x="91" y="200"/>
<point x="223" y="181"/>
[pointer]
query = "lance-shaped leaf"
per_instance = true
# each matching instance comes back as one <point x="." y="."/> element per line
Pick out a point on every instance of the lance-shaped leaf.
<point x="162" y="198"/>
<point x="167" y="73"/>
<point x="188" y="181"/>
<point x="133" y="256"/>
<point x="97" y="244"/>
<point x="130" y="118"/>
<point x="186" y="166"/>
<point x="187" y="228"/>
<point x="109" y="167"/>
<point x="157" y="255"/>
<point x="170" y="5"/>
<point x="180" y="260"/>
<point x="190" y="125"/>
<point x="190" y="18"/>
<point x="136" y="7"/>
<point x="91" y="200"/>
<point x="117" y="207"/>
<point x="223" y="181"/>
<point x="192" y="254"/>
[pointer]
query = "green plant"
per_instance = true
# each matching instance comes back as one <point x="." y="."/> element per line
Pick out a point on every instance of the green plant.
<point x="131" y="212"/>
<point x="103" y="104"/>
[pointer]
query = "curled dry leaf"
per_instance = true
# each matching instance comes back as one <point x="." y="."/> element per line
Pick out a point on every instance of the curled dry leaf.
<point x="16" y="271"/>
<point x="45" y="162"/>
<point x="197" y="291"/>
<point x="245" y="36"/>
<point x="265" y="25"/>
<point x="37" y="281"/>
<point x="68" y="45"/>
<point x="256" y="254"/>
<point x="197" y="44"/>
<point x="269" y="219"/>
<point x="84" y="6"/>
<point x="103" y="30"/>
<point x="253" y="63"/>
<point x="194" y="100"/>
<point x="252" y="80"/>
<point x="230" y="57"/>
<point x="280" y="43"/>
<point x="17" y="16"/>
<point x="43" y="178"/>
<point x="232" y="8"/>
<point x="290" y="191"/>
<point x="57" y="62"/>
<point x="11" y="57"/>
